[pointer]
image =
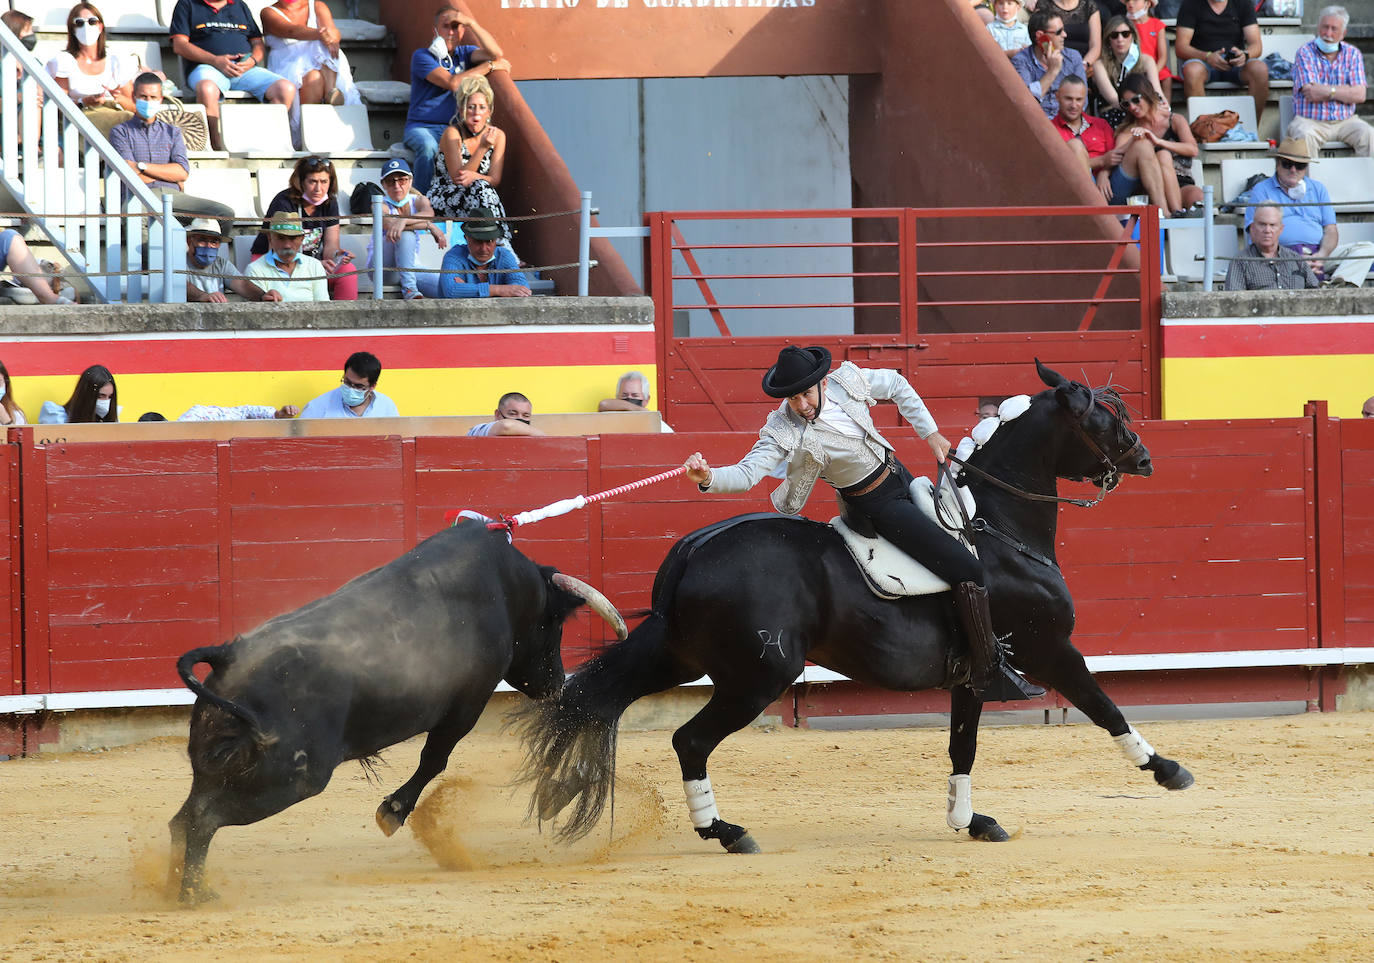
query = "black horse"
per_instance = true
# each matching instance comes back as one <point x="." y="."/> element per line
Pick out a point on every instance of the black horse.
<point x="749" y="605"/>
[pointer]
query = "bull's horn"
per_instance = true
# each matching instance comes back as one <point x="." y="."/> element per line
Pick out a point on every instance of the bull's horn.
<point x="597" y="602"/>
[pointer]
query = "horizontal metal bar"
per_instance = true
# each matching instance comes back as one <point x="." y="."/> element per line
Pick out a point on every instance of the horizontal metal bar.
<point x="790" y="277"/>
<point x="984" y="304"/>
<point x="932" y="213"/>
<point x="619" y="232"/>
<point x="1098" y="242"/>
<point x="750" y="247"/>
<point x="1132" y="272"/>
<point x="840" y="304"/>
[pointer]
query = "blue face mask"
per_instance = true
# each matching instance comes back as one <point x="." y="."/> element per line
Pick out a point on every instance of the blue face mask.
<point x="147" y="109"/>
<point x="1132" y="57"/>
<point x="1328" y="46"/>
<point x="2" y="391"/>
<point x="351" y="396"/>
<point x="286" y="257"/>
<point x="205" y="254"/>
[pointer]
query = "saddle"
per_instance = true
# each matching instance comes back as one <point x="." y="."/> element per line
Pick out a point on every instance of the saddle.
<point x="890" y="572"/>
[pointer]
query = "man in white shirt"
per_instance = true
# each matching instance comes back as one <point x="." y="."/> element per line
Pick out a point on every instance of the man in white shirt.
<point x="284" y="269"/>
<point x="357" y="395"/>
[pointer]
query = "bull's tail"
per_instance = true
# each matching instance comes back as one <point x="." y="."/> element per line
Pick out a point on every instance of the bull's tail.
<point x="216" y="657"/>
<point x="570" y="739"/>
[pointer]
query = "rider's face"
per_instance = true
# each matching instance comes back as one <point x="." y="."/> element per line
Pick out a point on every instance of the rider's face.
<point x="808" y="404"/>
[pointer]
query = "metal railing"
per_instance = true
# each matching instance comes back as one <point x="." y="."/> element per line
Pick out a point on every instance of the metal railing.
<point x="82" y="195"/>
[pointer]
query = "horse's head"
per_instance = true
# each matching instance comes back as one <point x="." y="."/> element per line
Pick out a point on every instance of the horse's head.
<point x="1099" y="418"/>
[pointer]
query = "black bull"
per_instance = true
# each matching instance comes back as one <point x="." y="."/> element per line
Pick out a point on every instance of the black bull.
<point x="417" y="645"/>
<point x="749" y="606"/>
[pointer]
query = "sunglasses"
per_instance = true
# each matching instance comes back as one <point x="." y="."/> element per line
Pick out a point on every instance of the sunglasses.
<point x="1061" y="32"/>
<point x="1120" y="34"/>
<point x="83" y="21"/>
<point x="452" y="25"/>
<point x="1292" y="165"/>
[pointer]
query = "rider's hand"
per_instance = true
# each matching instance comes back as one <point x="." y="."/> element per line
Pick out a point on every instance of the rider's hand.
<point x="697" y="469"/>
<point x="939" y="444"/>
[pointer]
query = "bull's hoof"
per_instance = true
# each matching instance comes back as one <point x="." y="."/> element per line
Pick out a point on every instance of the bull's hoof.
<point x="745" y="844"/>
<point x="1168" y="773"/>
<point x="390" y="816"/>
<point x="986" y="829"/>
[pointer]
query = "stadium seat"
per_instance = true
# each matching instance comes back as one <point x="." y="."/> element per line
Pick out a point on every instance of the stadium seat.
<point x="1185" y="249"/>
<point x="256" y="130"/>
<point x="1349" y="180"/>
<point x="232" y="186"/>
<point x="243" y="249"/>
<point x="271" y="182"/>
<point x="121" y="16"/>
<point x="1287" y="45"/>
<point x="1242" y="104"/>
<point x="1286" y="113"/>
<point x="336" y="131"/>
<point x="350" y="178"/>
<point x="1235" y="172"/>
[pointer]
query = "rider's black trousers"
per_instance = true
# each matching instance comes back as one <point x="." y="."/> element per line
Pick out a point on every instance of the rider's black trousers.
<point x="896" y="518"/>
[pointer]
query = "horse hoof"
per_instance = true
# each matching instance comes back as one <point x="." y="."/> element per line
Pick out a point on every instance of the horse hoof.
<point x="196" y="896"/>
<point x="389" y="818"/>
<point x="985" y="829"/>
<point x="745" y="844"/>
<point x="1168" y="773"/>
<point x="555" y="800"/>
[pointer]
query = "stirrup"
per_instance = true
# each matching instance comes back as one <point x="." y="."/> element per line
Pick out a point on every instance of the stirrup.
<point x="1006" y="685"/>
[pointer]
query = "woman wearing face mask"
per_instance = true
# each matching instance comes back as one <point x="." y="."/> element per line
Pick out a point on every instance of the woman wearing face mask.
<point x="94" y="399"/>
<point x="1122" y="57"/>
<point x="10" y="412"/>
<point x="303" y="46"/>
<point x="101" y="84"/>
<point x="471" y="159"/>
<point x="314" y="195"/>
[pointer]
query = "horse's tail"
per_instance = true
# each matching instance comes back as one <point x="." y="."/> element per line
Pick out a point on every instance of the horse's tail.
<point x="570" y="739"/>
<point x="217" y="657"/>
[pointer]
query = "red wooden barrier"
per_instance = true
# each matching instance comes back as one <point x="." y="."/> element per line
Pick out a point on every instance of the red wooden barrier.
<point x="11" y="610"/>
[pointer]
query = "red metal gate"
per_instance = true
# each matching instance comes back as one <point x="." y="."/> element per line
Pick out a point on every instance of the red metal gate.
<point x="959" y="299"/>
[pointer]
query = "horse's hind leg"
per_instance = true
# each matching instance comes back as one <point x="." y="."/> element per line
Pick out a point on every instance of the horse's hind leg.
<point x="965" y="709"/>
<point x="727" y="711"/>
<point x="1070" y="676"/>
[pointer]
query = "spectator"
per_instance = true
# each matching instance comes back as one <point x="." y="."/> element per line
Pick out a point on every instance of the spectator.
<point x="987" y="409"/>
<point x="1082" y="28"/>
<point x="631" y="394"/>
<point x="1266" y="264"/>
<point x="410" y="214"/>
<point x="1154" y="42"/>
<point x="1309" y="220"/>
<point x="152" y="416"/>
<point x="313" y="194"/>
<point x="237" y="412"/>
<point x="1367" y="411"/>
<point x="357" y="395"/>
<point x="981" y="8"/>
<point x="1045" y="63"/>
<point x="481" y="268"/>
<point x="513" y="416"/>
<point x="21" y="25"/>
<point x="95" y="399"/>
<point x="1122" y="57"/>
<point x="1007" y="29"/>
<point x="100" y="84"/>
<point x="10" y="412"/>
<point x="1157" y="143"/>
<point x="220" y="47"/>
<point x="16" y="256"/>
<point x="1328" y="81"/>
<point x="284" y="269"/>
<point x="208" y="272"/>
<point x="472" y="155"/>
<point x="436" y="73"/>
<point x="1090" y="138"/>
<point x="158" y="152"/>
<point x="1218" y="40"/>
<point x="303" y="46"/>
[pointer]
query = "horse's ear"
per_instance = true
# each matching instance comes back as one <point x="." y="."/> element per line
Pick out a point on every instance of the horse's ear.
<point x="1074" y="398"/>
<point x="1051" y="377"/>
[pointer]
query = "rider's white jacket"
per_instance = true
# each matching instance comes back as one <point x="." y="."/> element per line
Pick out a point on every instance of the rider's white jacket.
<point x="816" y="450"/>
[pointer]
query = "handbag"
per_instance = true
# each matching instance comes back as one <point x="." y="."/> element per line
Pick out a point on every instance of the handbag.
<point x="194" y="129"/>
<point x="1210" y="128"/>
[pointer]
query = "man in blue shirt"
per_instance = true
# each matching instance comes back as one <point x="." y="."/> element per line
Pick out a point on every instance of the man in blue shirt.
<point x="481" y="268"/>
<point x="357" y="395"/>
<point x="1046" y="62"/>
<point x="436" y="73"/>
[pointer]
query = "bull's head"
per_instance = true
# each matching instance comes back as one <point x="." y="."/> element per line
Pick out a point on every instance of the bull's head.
<point x="540" y="673"/>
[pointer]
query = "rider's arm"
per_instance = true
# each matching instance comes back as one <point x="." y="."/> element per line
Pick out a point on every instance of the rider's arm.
<point x="762" y="459"/>
<point x="888" y="385"/>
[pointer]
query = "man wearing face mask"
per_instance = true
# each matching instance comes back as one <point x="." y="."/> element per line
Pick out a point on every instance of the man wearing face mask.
<point x="357" y="395"/>
<point x="284" y="270"/>
<point x="209" y="273"/>
<point x="513" y="416"/>
<point x="436" y="73"/>
<point x="1328" y="83"/>
<point x="157" y="152"/>
<point x="1309" y="220"/>
<point x="482" y="268"/>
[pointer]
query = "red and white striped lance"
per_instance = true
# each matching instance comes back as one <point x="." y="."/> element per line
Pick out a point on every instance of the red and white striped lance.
<point x="563" y="506"/>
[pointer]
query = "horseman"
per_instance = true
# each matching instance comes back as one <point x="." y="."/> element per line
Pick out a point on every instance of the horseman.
<point x="823" y="430"/>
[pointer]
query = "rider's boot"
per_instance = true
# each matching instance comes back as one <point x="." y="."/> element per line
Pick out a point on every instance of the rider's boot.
<point x="993" y="679"/>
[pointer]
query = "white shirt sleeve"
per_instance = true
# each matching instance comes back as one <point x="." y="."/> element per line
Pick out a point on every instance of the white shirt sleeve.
<point x="889" y="385"/>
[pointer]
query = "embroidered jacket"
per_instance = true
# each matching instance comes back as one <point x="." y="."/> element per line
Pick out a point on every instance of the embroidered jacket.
<point x="815" y="450"/>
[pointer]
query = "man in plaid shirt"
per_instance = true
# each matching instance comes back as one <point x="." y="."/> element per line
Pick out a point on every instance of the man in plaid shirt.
<point x="1328" y="81"/>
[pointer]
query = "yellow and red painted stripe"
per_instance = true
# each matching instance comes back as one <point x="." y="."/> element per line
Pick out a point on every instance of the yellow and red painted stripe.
<point x="1266" y="367"/>
<point x="461" y="371"/>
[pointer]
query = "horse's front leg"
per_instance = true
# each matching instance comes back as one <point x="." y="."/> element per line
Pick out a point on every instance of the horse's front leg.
<point x="965" y="709"/>
<point x="1068" y="673"/>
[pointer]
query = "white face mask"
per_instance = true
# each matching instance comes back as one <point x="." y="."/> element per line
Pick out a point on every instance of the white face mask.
<point x="102" y="407"/>
<point x="1299" y="190"/>
<point x="87" y="34"/>
<point x="439" y="47"/>
<point x="1139" y="14"/>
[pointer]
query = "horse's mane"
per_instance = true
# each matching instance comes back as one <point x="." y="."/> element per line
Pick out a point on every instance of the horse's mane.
<point x="1107" y="396"/>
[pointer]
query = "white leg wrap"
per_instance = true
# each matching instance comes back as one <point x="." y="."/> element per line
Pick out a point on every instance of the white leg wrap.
<point x="1136" y="750"/>
<point x="701" y="802"/>
<point x="959" y="806"/>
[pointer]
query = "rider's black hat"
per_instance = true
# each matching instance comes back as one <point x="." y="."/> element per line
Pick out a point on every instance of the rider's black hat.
<point x="797" y="369"/>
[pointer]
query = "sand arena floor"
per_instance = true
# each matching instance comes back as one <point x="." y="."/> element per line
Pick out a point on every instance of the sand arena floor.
<point x="1269" y="857"/>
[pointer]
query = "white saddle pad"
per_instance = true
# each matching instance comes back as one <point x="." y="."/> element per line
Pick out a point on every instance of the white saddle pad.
<point x="890" y="572"/>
